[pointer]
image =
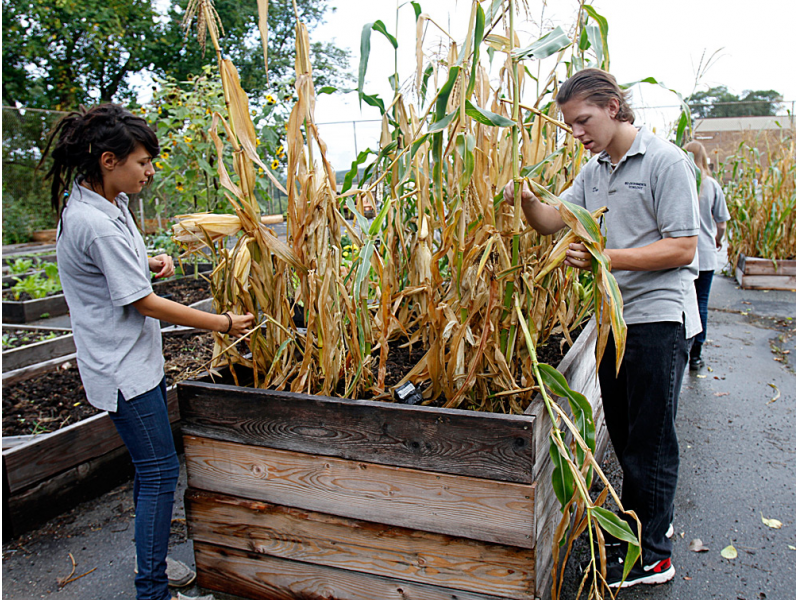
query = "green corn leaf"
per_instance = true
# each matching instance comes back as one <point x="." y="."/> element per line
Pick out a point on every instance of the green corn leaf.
<point x="417" y="10"/>
<point x="600" y="45"/>
<point x="365" y="256"/>
<point x="581" y="409"/>
<point x="378" y="222"/>
<point x="372" y="100"/>
<point x="487" y="117"/>
<point x="683" y="122"/>
<point x="366" y="33"/>
<point x="634" y="551"/>
<point x="424" y="87"/>
<point x="563" y="481"/>
<point x="443" y="123"/>
<point x="480" y="24"/>
<point x="545" y="46"/>
<point x="444" y="93"/>
<point x="351" y="174"/>
<point x="537" y="169"/>
<point x="381" y="28"/>
<point x="410" y="156"/>
<point x="613" y="524"/>
<point x="363" y="223"/>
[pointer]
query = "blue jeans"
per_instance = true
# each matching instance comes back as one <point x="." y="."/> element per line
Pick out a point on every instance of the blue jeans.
<point x="143" y="424"/>
<point x="640" y="408"/>
<point x="702" y="286"/>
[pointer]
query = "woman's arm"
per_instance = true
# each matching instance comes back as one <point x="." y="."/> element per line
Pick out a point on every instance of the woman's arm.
<point x="178" y="314"/>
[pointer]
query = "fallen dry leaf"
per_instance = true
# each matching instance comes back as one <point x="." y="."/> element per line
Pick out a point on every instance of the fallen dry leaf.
<point x="701" y="376"/>
<point x="772" y="523"/>
<point x="729" y="552"/>
<point x="688" y="578"/>
<point x="696" y="545"/>
<point x="719" y="394"/>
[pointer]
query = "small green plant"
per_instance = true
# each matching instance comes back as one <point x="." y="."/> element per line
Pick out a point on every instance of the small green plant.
<point x="21" y="265"/>
<point x="8" y="341"/>
<point x="38" y="285"/>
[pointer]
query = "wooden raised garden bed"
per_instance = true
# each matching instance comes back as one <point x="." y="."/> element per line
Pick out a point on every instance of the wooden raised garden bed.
<point x="49" y="473"/>
<point x="296" y="496"/>
<point x="764" y="274"/>
<point x="37" y="352"/>
<point x="26" y="311"/>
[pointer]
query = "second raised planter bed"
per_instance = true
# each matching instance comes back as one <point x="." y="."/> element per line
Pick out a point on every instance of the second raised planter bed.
<point x="296" y="496"/>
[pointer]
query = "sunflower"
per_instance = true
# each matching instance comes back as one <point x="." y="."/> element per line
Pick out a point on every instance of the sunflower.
<point x="270" y="99"/>
<point x="275" y="164"/>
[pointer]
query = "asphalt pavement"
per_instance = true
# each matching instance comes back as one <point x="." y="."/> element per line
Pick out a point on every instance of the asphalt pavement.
<point x="737" y="428"/>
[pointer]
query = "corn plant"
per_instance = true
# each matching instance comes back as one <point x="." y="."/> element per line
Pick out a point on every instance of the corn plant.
<point x="445" y="264"/>
<point x="762" y="200"/>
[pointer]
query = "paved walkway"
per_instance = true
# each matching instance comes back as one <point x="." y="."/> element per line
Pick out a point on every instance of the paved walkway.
<point x="738" y="462"/>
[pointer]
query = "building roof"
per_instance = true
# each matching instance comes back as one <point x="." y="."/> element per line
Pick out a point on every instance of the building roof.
<point x="745" y="123"/>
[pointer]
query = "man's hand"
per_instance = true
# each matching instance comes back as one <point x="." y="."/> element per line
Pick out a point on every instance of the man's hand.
<point x="579" y="257"/>
<point x="162" y="265"/>
<point x="527" y="194"/>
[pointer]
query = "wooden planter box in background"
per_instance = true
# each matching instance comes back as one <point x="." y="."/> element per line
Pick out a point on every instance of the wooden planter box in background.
<point x="30" y="354"/>
<point x="296" y="496"/>
<point x="764" y="274"/>
<point x="26" y="311"/>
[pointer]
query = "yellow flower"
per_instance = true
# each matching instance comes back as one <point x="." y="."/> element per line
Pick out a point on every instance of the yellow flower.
<point x="142" y="110"/>
<point x="208" y="111"/>
<point x="258" y="142"/>
<point x="260" y="171"/>
<point x="179" y="187"/>
<point x="180" y="103"/>
<point x="158" y="165"/>
<point x="270" y="99"/>
<point x="275" y="164"/>
<point x="187" y="139"/>
<point x="159" y="110"/>
<point x="164" y="155"/>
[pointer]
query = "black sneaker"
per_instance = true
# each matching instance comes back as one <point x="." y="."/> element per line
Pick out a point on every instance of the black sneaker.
<point x="658" y="572"/>
<point x="696" y="363"/>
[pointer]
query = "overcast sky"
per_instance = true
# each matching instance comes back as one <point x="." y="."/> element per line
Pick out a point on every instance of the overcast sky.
<point x="662" y="40"/>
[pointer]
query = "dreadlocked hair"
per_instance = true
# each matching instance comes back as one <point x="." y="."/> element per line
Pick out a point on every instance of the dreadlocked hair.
<point x="81" y="138"/>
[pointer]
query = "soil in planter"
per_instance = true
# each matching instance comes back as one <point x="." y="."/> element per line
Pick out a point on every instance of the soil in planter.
<point x="56" y="399"/>
<point x="186" y="290"/>
<point x="15" y="338"/>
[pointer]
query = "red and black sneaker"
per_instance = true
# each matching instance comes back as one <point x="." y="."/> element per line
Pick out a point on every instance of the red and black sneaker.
<point x="658" y="572"/>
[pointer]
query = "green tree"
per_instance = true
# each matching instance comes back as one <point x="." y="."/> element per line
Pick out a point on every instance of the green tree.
<point x="242" y="45"/>
<point x="720" y="102"/>
<point x="68" y="52"/>
<point x="56" y="53"/>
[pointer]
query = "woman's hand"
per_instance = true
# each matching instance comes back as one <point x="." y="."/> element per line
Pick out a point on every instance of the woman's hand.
<point x="579" y="257"/>
<point x="239" y="324"/>
<point x="162" y="265"/>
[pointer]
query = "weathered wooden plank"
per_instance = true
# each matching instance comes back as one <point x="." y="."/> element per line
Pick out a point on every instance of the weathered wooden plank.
<point x="766" y="282"/>
<point x="41" y="458"/>
<point x="267" y="578"/>
<point x="480" y="509"/>
<point x="30" y="508"/>
<point x="355" y="545"/>
<point x="31" y="354"/>
<point x="764" y="266"/>
<point x="458" y="442"/>
<point x="31" y="310"/>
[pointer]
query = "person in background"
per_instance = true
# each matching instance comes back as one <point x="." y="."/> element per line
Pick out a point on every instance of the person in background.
<point x="713" y="215"/>
<point x="651" y="227"/>
<point x="99" y="157"/>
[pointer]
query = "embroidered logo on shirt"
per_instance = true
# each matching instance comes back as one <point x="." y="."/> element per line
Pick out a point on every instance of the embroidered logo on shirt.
<point x="595" y="189"/>
<point x="636" y="185"/>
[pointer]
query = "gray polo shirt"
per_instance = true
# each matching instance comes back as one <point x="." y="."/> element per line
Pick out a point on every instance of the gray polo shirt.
<point x="103" y="266"/>
<point x="713" y="210"/>
<point x="651" y="195"/>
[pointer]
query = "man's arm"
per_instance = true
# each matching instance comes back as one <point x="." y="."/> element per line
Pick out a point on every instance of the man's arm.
<point x="720" y="234"/>
<point x="667" y="253"/>
<point x="543" y="218"/>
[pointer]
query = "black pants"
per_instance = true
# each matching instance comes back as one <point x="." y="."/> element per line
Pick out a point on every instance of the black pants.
<point x="640" y="407"/>
<point x="702" y="286"/>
